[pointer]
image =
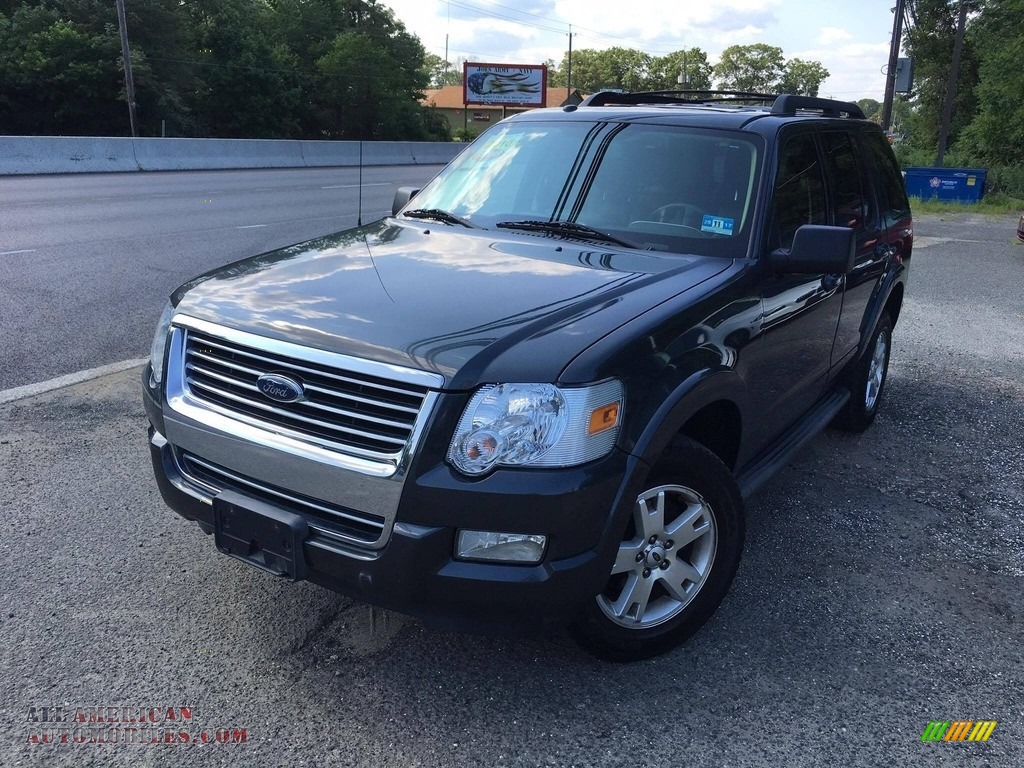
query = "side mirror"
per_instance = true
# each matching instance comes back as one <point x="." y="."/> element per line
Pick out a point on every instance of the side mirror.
<point x="402" y="197"/>
<point x="817" y="250"/>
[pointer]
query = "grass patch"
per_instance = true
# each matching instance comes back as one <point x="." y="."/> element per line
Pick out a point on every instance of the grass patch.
<point x="994" y="205"/>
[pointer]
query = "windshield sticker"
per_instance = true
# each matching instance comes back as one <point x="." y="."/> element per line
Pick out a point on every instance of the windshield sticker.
<point x="719" y="225"/>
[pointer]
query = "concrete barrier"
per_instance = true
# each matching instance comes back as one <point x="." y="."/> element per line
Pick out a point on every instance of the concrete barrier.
<point x="215" y="154"/>
<point x="85" y="154"/>
<point x="65" y="154"/>
<point x="388" y="153"/>
<point x="435" y="152"/>
<point x="325" y="154"/>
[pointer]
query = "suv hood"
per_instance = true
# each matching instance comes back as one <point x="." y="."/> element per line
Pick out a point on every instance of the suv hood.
<point x="471" y="305"/>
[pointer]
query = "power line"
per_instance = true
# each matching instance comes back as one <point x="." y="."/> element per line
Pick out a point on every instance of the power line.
<point x="502" y="16"/>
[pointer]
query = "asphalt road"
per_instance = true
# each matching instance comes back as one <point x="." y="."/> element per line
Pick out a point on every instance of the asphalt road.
<point x="882" y="587"/>
<point x="88" y="260"/>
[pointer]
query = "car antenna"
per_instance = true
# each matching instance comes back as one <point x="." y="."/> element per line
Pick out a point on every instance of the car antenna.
<point x="359" y="205"/>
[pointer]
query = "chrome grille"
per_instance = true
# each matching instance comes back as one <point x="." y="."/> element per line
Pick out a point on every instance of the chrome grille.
<point x="346" y="411"/>
<point x="324" y="519"/>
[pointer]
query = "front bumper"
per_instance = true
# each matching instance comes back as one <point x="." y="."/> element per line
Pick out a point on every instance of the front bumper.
<point x="416" y="572"/>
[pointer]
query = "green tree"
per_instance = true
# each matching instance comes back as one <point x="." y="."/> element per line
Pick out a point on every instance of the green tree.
<point x="162" y="43"/>
<point x="58" y="76"/>
<point x="250" y="83"/>
<point x="872" y="108"/>
<point x="996" y="132"/>
<point x="930" y="43"/>
<point x="665" y="71"/>
<point x="620" y="68"/>
<point x="440" y="72"/>
<point x="230" y="68"/>
<point x="370" y="93"/>
<point x="802" y="77"/>
<point x="757" y="68"/>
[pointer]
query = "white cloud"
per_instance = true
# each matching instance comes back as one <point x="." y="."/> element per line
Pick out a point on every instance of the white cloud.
<point x="743" y="36"/>
<point x="855" y="69"/>
<point x="831" y="35"/>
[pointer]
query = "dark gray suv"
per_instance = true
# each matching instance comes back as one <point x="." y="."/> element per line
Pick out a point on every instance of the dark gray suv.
<point x="539" y="392"/>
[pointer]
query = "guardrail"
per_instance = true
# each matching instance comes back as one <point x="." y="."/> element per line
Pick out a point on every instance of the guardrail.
<point x="98" y="154"/>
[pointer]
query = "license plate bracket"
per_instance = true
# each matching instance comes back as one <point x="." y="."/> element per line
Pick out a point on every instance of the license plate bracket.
<point x="260" y="534"/>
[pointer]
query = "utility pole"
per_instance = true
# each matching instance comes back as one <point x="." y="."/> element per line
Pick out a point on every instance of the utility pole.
<point x="129" y="83"/>
<point x="444" y="80"/>
<point x="890" y="72"/>
<point x="954" y="76"/>
<point x="684" y="74"/>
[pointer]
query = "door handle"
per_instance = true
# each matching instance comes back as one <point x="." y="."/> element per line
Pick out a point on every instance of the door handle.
<point x="831" y="282"/>
<point x="885" y="251"/>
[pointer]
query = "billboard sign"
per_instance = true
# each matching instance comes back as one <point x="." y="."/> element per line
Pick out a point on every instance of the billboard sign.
<point x="512" y="84"/>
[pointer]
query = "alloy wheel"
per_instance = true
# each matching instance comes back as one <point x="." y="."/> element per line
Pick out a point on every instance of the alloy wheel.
<point x="664" y="560"/>
<point x="876" y="372"/>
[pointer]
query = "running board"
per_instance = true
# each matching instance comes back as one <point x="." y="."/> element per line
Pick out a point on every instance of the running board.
<point x="756" y="474"/>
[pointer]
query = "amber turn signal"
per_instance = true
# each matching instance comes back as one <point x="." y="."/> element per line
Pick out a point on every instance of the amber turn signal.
<point x="603" y="418"/>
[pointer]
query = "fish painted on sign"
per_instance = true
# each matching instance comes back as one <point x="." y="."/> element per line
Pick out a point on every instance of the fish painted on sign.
<point x="488" y="83"/>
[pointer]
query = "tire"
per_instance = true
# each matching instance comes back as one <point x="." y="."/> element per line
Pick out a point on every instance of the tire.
<point x="698" y="500"/>
<point x="867" y="381"/>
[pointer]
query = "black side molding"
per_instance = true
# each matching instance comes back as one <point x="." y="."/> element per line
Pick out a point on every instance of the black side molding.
<point x="759" y="471"/>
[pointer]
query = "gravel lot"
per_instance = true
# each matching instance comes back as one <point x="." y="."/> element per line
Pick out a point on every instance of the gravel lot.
<point x="881" y="588"/>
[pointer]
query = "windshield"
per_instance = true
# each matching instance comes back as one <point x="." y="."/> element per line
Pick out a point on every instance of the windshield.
<point x="665" y="188"/>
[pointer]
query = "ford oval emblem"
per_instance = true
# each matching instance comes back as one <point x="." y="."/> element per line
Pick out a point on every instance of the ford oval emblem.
<point x="283" y="389"/>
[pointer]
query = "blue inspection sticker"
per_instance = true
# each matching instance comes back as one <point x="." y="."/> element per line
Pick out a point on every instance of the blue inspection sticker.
<point x="719" y="225"/>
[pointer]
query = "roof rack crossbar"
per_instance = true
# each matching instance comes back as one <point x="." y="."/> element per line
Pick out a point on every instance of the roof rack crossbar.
<point x="603" y="98"/>
<point x="788" y="104"/>
<point x="785" y="104"/>
<point x="751" y="95"/>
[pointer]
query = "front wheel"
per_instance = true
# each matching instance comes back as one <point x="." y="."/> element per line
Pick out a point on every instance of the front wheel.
<point x="674" y="563"/>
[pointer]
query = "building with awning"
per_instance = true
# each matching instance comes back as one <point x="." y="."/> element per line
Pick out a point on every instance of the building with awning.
<point x="449" y="102"/>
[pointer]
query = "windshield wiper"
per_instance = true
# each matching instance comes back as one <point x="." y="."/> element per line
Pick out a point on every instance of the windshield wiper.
<point x="437" y="214"/>
<point x="570" y="228"/>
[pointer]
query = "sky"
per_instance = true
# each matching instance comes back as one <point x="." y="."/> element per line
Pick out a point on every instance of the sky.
<point x="850" y="38"/>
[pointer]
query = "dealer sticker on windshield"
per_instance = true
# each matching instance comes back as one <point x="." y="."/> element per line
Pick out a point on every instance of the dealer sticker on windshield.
<point x="719" y="225"/>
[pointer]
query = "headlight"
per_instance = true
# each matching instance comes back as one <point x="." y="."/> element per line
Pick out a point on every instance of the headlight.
<point x="156" y="351"/>
<point x="540" y="425"/>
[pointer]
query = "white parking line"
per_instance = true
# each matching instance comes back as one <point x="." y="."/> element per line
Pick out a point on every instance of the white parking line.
<point x="30" y="390"/>
<point x="354" y="186"/>
<point x="23" y="250"/>
<point x="251" y="226"/>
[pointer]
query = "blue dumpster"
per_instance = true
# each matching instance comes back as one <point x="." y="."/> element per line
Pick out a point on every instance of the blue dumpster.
<point x="960" y="185"/>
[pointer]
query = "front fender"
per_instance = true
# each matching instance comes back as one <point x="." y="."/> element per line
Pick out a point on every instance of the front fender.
<point x="697" y="391"/>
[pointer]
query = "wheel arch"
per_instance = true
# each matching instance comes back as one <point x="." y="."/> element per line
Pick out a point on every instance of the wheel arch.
<point x="708" y="408"/>
<point x="889" y="298"/>
<point x="894" y="303"/>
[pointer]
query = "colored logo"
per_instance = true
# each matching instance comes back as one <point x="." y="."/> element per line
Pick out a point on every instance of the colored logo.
<point x="959" y="730"/>
<point x="283" y="389"/>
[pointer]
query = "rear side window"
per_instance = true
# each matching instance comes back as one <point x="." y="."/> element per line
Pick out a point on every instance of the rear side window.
<point x="846" y="185"/>
<point x="894" y="201"/>
<point x="799" y="191"/>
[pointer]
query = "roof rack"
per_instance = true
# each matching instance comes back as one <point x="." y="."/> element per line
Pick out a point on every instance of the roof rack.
<point x="604" y="98"/>
<point x="788" y="104"/>
<point x="784" y="104"/>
